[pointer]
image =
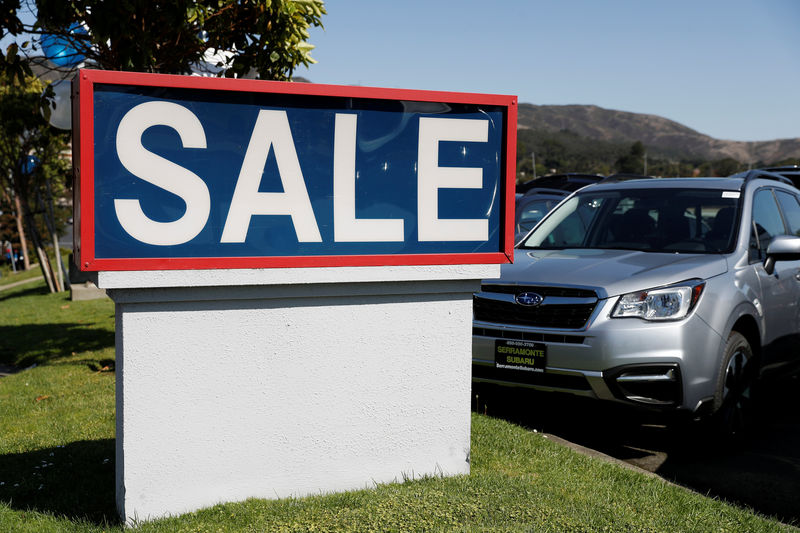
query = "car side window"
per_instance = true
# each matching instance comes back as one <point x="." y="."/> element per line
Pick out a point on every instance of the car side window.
<point x="534" y="211"/>
<point x="791" y="210"/>
<point x="767" y="223"/>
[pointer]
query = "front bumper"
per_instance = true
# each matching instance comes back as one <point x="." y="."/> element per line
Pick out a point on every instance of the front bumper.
<point x="664" y="365"/>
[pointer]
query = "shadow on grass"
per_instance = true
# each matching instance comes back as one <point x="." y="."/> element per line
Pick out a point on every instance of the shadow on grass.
<point x="26" y="344"/>
<point x="75" y="481"/>
<point x="761" y="471"/>
<point x="15" y="292"/>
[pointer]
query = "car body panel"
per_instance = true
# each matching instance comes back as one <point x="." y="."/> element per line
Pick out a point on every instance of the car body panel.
<point x="609" y="272"/>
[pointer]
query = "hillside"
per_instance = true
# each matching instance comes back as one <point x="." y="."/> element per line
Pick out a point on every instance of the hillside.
<point x="662" y="137"/>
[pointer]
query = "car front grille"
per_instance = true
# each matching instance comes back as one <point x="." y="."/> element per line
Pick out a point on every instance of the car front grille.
<point x="561" y="308"/>
<point x="549" y="338"/>
<point x="566" y="292"/>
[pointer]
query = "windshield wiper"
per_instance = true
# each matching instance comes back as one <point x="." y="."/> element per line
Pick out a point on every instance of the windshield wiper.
<point x="626" y="248"/>
<point x="520" y="247"/>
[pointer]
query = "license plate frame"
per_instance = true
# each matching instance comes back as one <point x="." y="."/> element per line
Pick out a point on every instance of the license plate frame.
<point x="527" y="356"/>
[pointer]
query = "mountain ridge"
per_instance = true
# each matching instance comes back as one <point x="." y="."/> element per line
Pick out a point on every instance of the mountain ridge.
<point x="662" y="137"/>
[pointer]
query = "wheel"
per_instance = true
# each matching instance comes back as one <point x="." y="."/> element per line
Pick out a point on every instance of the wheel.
<point x="733" y="403"/>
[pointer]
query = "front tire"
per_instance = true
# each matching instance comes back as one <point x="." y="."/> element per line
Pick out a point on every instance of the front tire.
<point x="733" y="402"/>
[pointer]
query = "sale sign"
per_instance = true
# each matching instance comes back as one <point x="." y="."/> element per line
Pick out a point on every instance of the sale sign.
<point x="182" y="172"/>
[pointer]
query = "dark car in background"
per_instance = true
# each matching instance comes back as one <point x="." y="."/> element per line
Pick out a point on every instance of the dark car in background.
<point x="535" y="198"/>
<point x="790" y="172"/>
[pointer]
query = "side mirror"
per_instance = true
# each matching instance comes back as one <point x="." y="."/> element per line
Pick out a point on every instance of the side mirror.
<point x="782" y="248"/>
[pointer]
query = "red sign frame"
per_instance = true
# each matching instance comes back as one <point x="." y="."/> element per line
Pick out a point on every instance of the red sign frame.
<point x="83" y="171"/>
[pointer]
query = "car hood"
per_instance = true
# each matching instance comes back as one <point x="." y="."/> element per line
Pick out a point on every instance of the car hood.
<point x="608" y="272"/>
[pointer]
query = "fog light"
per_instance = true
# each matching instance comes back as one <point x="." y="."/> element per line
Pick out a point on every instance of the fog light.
<point x="651" y="385"/>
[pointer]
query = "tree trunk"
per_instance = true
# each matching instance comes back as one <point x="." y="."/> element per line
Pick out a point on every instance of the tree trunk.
<point x="59" y="265"/>
<point x="44" y="261"/>
<point x="47" y="271"/>
<point x="50" y="219"/>
<point x="23" y="242"/>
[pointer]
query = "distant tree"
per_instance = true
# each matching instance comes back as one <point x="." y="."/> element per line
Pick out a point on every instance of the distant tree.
<point x="11" y="63"/>
<point x="554" y="154"/>
<point x="524" y="170"/>
<point x="601" y="168"/>
<point x="566" y="151"/>
<point x="32" y="173"/>
<point x="266" y="38"/>
<point x="704" y="169"/>
<point x="725" y="167"/>
<point x="633" y="161"/>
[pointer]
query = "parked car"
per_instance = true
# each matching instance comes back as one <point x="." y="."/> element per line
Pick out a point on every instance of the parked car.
<point x="537" y="197"/>
<point x="568" y="181"/>
<point x="672" y="294"/>
<point x="532" y="207"/>
<point x="792" y="172"/>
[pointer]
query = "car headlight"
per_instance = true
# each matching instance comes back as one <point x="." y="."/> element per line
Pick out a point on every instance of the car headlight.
<point x="665" y="303"/>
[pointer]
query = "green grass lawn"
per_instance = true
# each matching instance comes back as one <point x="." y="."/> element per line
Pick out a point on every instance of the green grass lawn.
<point x="57" y="459"/>
<point x="8" y="276"/>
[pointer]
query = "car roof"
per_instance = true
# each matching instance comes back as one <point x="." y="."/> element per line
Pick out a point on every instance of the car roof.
<point x="567" y="182"/>
<point x="730" y="183"/>
<point x="792" y="172"/>
<point x="793" y="169"/>
<point x="532" y="193"/>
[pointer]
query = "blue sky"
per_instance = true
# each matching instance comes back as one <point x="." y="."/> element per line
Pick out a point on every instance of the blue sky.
<point x="729" y="69"/>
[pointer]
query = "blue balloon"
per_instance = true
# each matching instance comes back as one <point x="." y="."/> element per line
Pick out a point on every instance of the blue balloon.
<point x="29" y="164"/>
<point x="60" y="51"/>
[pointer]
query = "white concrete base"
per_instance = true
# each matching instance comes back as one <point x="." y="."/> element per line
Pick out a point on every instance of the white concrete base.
<point x="226" y="393"/>
<point x="85" y="291"/>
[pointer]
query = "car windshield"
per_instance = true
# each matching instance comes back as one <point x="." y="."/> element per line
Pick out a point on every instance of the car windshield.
<point x="648" y="220"/>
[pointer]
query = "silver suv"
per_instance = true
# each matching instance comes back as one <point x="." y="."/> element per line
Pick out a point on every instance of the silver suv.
<point x="666" y="293"/>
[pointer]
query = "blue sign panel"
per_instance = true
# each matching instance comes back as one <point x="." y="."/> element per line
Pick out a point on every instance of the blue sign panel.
<point x="192" y="174"/>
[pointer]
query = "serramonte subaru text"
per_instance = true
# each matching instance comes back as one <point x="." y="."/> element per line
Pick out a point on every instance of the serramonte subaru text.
<point x="672" y="294"/>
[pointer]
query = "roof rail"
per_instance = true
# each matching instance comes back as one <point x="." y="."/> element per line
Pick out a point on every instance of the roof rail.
<point x="762" y="174"/>
<point x="546" y="190"/>
<point x="625" y="177"/>
<point x="792" y="172"/>
<point x="784" y="168"/>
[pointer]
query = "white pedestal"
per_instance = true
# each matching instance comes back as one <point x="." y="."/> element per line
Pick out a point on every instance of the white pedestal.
<point x="275" y="383"/>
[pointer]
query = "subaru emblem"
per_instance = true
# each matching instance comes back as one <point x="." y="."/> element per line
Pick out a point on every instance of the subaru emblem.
<point x="529" y="298"/>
